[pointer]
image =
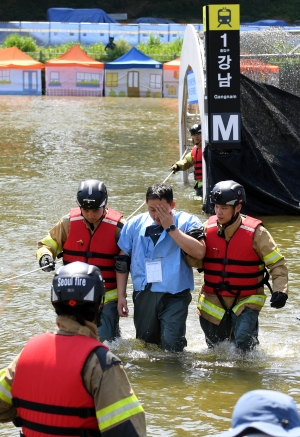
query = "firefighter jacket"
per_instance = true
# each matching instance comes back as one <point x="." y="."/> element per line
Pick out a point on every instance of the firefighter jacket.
<point x="77" y="384"/>
<point x="74" y="236"/>
<point x="234" y="268"/>
<point x="193" y="158"/>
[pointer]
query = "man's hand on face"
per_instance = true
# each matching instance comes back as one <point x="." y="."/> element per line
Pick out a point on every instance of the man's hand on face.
<point x="165" y="216"/>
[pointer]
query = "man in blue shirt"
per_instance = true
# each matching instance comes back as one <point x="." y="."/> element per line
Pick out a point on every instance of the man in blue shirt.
<point x="161" y="247"/>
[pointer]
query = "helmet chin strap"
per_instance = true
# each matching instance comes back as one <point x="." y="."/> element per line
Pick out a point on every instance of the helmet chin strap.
<point x="221" y="232"/>
<point x="232" y="220"/>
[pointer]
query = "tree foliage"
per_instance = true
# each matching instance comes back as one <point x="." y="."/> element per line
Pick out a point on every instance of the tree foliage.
<point x="155" y="49"/>
<point x="26" y="44"/>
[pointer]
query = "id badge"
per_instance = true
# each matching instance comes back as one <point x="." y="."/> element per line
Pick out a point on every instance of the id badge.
<point x="153" y="270"/>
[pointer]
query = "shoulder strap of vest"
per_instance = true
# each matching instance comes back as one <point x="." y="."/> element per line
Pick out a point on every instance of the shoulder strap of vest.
<point x="112" y="216"/>
<point x="75" y="214"/>
<point x="106" y="358"/>
<point x="251" y="222"/>
<point x="212" y="221"/>
<point x="194" y="152"/>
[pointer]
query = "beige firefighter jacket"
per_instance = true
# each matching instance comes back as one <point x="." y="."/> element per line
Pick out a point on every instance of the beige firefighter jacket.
<point x="186" y="163"/>
<point x="263" y="244"/>
<point x="107" y="387"/>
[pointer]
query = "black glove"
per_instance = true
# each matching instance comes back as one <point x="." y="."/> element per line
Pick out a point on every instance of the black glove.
<point x="47" y="262"/>
<point x="175" y="168"/>
<point x="278" y="299"/>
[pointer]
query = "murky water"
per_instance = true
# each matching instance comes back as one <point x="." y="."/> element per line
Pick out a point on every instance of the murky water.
<point x="48" y="145"/>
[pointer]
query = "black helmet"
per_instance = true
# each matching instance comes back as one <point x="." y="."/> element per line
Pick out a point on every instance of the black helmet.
<point x="77" y="283"/>
<point x="91" y="194"/>
<point x="228" y="193"/>
<point x="195" y="129"/>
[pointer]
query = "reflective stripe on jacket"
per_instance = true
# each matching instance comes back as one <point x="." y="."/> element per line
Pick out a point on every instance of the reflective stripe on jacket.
<point x="48" y="390"/>
<point x="197" y="158"/>
<point x="5" y="389"/>
<point x="218" y="312"/>
<point x="232" y="268"/>
<point x="119" y="411"/>
<point x="98" y="249"/>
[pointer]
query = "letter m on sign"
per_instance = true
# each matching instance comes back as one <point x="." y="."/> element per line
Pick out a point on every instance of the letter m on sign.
<point x="226" y="127"/>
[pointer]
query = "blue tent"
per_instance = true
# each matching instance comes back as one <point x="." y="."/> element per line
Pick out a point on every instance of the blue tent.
<point x="134" y="75"/>
<point x="69" y="15"/>
<point x="133" y="59"/>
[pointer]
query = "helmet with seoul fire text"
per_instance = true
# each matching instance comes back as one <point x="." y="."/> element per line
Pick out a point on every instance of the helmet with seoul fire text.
<point x="77" y="283"/>
<point x="195" y="129"/>
<point x="91" y="194"/>
<point x="228" y="193"/>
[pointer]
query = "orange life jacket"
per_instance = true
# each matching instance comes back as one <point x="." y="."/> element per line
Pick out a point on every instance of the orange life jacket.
<point x="48" y="390"/>
<point x="98" y="249"/>
<point x="197" y="158"/>
<point x="232" y="268"/>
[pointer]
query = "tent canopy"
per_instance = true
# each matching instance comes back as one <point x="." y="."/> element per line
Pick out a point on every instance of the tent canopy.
<point x="75" y="57"/>
<point x="15" y="58"/>
<point x="257" y="65"/>
<point x="69" y="15"/>
<point x="133" y="59"/>
<point x="172" y="65"/>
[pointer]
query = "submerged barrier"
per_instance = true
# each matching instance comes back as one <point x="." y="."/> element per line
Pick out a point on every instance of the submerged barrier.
<point x="53" y="33"/>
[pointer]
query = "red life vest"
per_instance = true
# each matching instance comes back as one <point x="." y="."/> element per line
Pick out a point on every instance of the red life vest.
<point x="197" y="158"/>
<point x="99" y="249"/>
<point x="232" y="268"/>
<point x="48" y="390"/>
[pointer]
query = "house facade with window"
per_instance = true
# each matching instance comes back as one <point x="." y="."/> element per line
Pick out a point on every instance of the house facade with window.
<point x="133" y="75"/>
<point x="74" y="74"/>
<point x="19" y="73"/>
<point x="171" y="78"/>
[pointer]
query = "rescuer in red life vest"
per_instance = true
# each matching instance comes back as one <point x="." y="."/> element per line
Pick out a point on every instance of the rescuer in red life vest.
<point x="69" y="383"/>
<point x="89" y="233"/>
<point x="193" y="158"/>
<point x="238" y="250"/>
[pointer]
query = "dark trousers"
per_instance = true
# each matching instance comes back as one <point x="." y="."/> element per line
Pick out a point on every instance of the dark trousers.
<point x="109" y="320"/>
<point x="160" y="318"/>
<point x="240" y="330"/>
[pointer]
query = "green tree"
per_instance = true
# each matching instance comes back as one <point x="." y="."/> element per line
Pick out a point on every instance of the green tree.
<point x="26" y="44"/>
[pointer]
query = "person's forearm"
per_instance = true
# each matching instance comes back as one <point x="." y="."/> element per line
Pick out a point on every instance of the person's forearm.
<point x="122" y="279"/>
<point x="279" y="274"/>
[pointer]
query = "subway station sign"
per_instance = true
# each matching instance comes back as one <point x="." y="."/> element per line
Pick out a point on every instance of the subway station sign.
<point x="222" y="75"/>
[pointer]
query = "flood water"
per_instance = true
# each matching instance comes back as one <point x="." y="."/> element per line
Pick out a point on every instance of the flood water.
<point x="48" y="145"/>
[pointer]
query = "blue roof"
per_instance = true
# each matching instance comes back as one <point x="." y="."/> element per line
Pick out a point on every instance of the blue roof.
<point x="133" y="59"/>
